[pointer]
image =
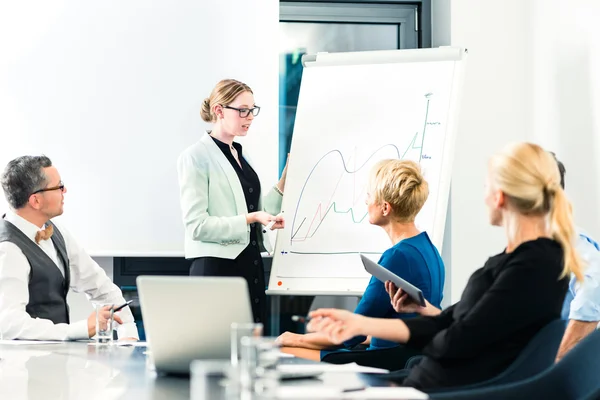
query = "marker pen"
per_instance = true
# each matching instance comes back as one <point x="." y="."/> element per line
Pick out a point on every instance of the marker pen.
<point x="270" y="224"/>
<point x="300" y="318"/>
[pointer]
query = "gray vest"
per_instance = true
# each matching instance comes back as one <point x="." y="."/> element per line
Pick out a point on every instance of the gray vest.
<point x="47" y="286"/>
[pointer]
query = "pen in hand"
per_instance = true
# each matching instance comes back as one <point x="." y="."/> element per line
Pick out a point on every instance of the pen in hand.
<point x="269" y="226"/>
<point x="300" y="318"/>
<point x="122" y="306"/>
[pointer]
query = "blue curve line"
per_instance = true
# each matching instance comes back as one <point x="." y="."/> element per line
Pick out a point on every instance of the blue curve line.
<point x="412" y="143"/>
<point x="345" y="168"/>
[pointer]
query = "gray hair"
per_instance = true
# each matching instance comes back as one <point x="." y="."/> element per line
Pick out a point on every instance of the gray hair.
<point x="23" y="176"/>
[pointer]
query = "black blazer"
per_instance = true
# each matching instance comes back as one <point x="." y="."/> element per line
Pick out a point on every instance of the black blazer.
<point x="503" y="306"/>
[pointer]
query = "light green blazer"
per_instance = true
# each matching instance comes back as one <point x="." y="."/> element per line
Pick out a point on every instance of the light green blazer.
<point x="213" y="204"/>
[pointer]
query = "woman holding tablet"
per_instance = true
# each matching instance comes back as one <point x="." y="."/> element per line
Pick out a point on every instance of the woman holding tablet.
<point x="222" y="207"/>
<point x="397" y="192"/>
<point x="505" y="303"/>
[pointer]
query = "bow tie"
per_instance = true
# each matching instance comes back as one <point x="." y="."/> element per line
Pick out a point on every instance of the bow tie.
<point x="44" y="234"/>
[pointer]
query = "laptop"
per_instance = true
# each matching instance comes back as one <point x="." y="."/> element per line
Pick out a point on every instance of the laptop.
<point x="189" y="318"/>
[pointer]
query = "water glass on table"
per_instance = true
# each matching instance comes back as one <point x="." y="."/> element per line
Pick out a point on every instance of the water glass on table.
<point x="238" y="331"/>
<point x="104" y="322"/>
<point x="258" y="363"/>
<point x="204" y="379"/>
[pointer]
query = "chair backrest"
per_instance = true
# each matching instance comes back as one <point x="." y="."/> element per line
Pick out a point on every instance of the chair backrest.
<point x="576" y="376"/>
<point x="537" y="356"/>
<point x="579" y="370"/>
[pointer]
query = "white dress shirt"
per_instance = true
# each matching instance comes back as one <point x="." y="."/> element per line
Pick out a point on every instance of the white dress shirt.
<point x="86" y="276"/>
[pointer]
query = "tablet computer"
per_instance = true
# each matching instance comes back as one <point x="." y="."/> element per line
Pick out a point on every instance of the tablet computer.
<point x="383" y="275"/>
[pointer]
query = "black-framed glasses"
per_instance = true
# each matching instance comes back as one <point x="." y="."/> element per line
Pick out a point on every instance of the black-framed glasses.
<point x="244" y="112"/>
<point x="61" y="187"/>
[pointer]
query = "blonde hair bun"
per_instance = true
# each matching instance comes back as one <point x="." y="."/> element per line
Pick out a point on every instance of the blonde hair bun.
<point x="224" y="93"/>
<point x="205" y="111"/>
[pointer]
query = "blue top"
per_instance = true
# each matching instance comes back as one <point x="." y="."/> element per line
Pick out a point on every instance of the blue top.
<point x="415" y="260"/>
<point x="582" y="302"/>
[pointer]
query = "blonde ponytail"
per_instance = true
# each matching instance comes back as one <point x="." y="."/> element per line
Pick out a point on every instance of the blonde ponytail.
<point x="563" y="231"/>
<point x="530" y="178"/>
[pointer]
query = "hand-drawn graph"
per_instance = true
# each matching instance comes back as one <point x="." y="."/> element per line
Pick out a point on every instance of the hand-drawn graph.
<point x="349" y="117"/>
<point x="331" y="202"/>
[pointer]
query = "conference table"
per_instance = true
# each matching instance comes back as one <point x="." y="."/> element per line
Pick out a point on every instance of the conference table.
<point x="82" y="370"/>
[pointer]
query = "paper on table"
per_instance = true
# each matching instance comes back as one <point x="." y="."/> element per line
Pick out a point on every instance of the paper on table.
<point x="328" y="392"/>
<point x="132" y="344"/>
<point x="285" y="355"/>
<point x="121" y="344"/>
<point x="324" y="367"/>
<point x="382" y="393"/>
<point x="28" y="342"/>
<point x="308" y="392"/>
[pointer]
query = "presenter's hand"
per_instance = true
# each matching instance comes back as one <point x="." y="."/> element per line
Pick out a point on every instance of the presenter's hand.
<point x="281" y="183"/>
<point x="265" y="218"/>
<point x="289" y="339"/>
<point x="337" y="325"/>
<point x="102" y="320"/>
<point x="284" y="173"/>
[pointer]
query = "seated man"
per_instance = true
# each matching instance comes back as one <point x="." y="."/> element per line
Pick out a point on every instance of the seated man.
<point x="397" y="192"/>
<point x="582" y="302"/>
<point x="39" y="261"/>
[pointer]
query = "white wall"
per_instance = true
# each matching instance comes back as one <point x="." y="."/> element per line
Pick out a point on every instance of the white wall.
<point x="566" y="88"/>
<point x="111" y="92"/>
<point x="528" y="78"/>
<point x="440" y="22"/>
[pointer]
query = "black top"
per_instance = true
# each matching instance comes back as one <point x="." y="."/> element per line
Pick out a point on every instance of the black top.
<point x="47" y="287"/>
<point x="503" y="306"/>
<point x="248" y="179"/>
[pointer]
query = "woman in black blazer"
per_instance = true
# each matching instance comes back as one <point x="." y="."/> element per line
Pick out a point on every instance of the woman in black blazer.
<point x="505" y="303"/>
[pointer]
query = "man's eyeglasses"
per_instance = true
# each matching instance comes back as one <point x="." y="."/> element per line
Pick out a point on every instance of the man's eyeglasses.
<point x="244" y="112"/>
<point x="61" y="187"/>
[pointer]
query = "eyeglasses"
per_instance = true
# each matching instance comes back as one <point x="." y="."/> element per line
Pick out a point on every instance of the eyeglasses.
<point x="244" y="112"/>
<point x="60" y="186"/>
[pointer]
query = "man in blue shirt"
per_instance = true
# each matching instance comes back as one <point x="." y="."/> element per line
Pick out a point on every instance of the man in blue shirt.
<point x="582" y="302"/>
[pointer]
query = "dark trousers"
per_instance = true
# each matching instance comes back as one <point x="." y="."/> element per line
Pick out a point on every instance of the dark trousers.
<point x="393" y="359"/>
<point x="247" y="265"/>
